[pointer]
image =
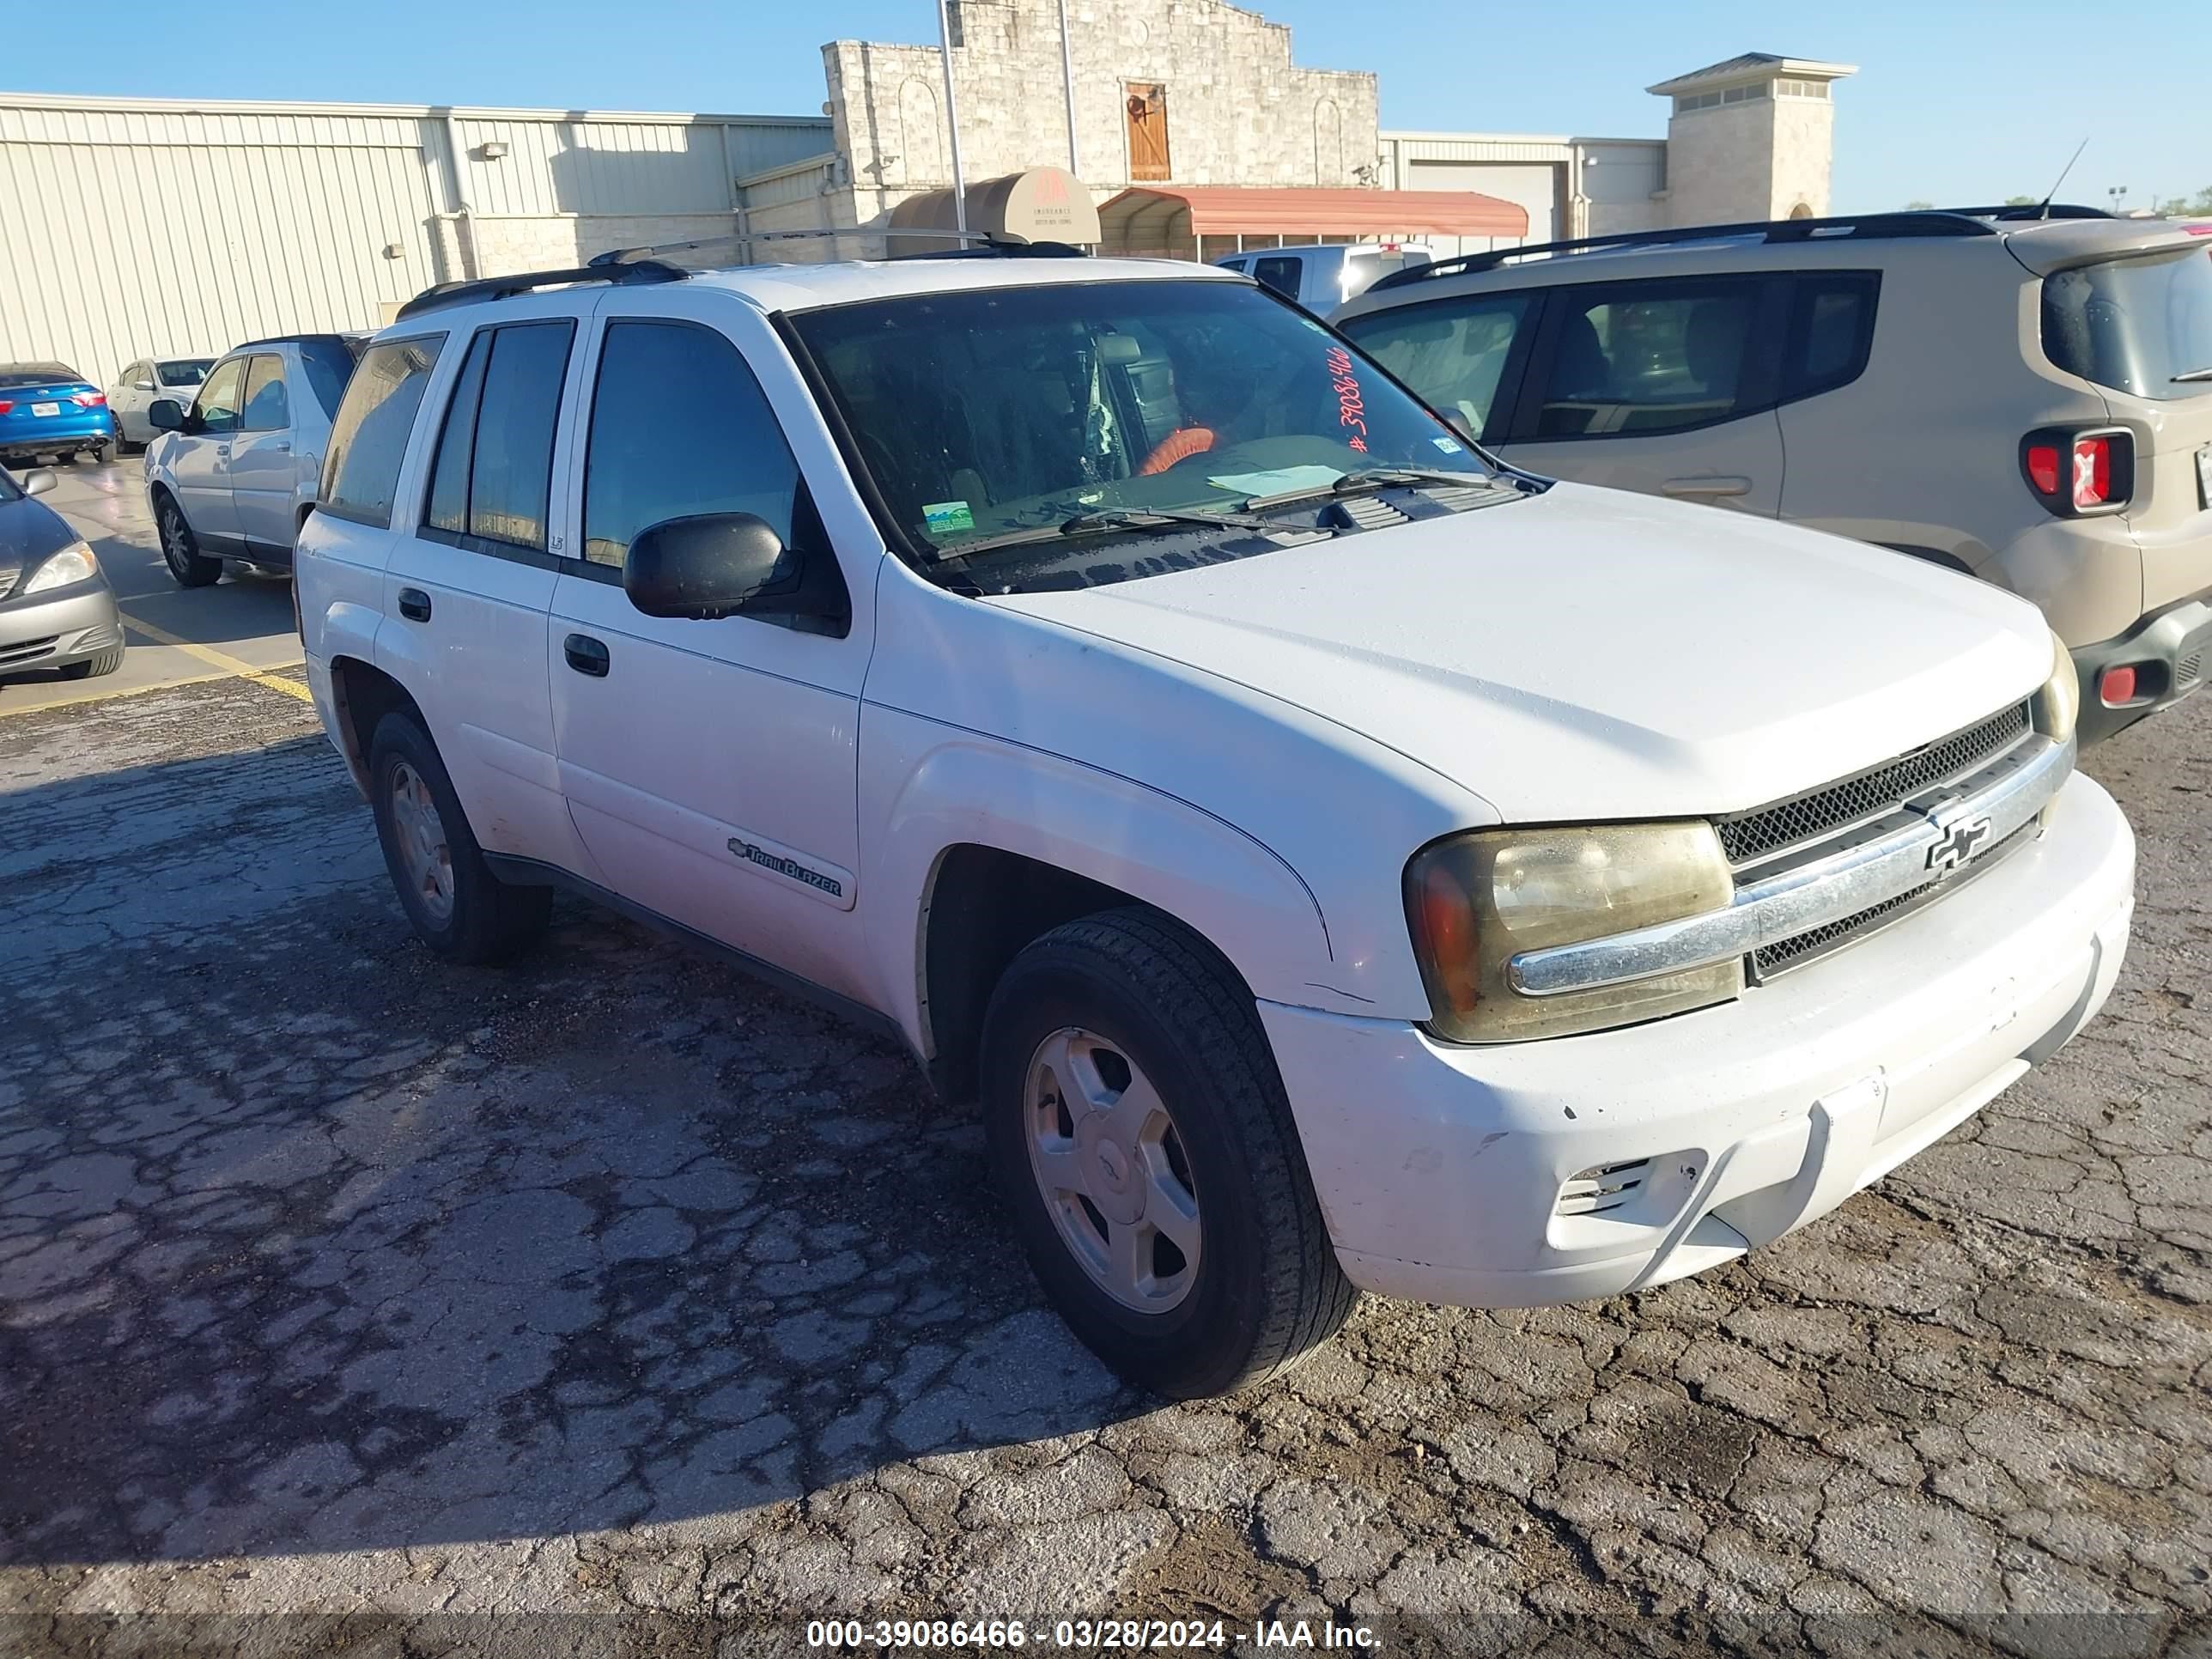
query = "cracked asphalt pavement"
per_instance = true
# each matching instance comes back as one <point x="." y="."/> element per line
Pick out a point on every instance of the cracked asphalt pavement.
<point x="353" y="1303"/>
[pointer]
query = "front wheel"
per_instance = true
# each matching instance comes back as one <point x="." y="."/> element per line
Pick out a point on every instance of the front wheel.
<point x="459" y="907"/>
<point x="1140" y="1136"/>
<point x="181" y="549"/>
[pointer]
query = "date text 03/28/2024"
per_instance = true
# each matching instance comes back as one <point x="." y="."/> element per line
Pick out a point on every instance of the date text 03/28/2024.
<point x="855" y="1634"/>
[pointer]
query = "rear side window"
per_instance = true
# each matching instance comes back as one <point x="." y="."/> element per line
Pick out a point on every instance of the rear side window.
<point x="679" y="426"/>
<point x="216" y="411"/>
<point x="2133" y="325"/>
<point x="1643" y="358"/>
<point x="368" y="441"/>
<point x="494" y="475"/>
<point x="1831" y="331"/>
<point x="266" y="410"/>
<point x="329" y="364"/>
<point x="1281" y="274"/>
<point x="1452" y="352"/>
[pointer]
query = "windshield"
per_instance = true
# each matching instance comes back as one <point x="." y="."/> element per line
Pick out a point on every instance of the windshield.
<point x="2133" y="325"/>
<point x="991" y="411"/>
<point x="183" y="371"/>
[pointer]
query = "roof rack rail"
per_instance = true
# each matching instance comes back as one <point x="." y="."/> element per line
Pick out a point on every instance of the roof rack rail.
<point x="499" y="287"/>
<point x="1915" y="222"/>
<point x="986" y="244"/>
<point x="289" y="339"/>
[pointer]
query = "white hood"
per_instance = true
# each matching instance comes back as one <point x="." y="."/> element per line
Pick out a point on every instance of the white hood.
<point x="1588" y="653"/>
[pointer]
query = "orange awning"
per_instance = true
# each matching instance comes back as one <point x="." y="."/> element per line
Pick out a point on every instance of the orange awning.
<point x="1157" y="215"/>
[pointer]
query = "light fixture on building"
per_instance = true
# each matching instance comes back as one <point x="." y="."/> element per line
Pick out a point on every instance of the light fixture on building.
<point x="491" y="150"/>
<point x="395" y="250"/>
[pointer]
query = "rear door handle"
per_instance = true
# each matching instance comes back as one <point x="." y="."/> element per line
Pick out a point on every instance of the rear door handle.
<point x="283" y="445"/>
<point x="414" y="604"/>
<point x="585" y="655"/>
<point x="1706" y="487"/>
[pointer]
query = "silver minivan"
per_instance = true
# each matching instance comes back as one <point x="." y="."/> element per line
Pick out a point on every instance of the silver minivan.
<point x="1324" y="275"/>
<point x="233" y="476"/>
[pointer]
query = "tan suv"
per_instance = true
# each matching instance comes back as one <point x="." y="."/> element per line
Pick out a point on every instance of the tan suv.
<point x="2028" y="400"/>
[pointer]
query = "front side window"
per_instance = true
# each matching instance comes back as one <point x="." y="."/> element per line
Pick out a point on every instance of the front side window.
<point x="991" y="411"/>
<point x="216" y="411"/>
<point x="266" y="410"/>
<point x="680" y="427"/>
<point x="494" y="474"/>
<point x="1452" y="352"/>
<point x="2139" y="325"/>
<point x="1644" y="358"/>
<point x="369" y="439"/>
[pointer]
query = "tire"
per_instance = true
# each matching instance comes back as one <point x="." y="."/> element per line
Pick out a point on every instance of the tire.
<point x="102" y="454"/>
<point x="92" y="667"/>
<point x="181" y="549"/>
<point x="1125" y="997"/>
<point x="460" y="908"/>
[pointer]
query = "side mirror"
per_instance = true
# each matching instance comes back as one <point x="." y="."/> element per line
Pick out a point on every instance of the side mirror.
<point x="710" y="565"/>
<point x="38" y="481"/>
<point x="141" y="386"/>
<point x="166" y="415"/>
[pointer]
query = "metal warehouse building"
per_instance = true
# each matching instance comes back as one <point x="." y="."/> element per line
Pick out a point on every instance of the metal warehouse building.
<point x="130" y="226"/>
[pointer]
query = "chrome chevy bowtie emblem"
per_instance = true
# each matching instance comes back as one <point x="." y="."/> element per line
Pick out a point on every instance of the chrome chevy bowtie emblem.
<point x="1958" y="838"/>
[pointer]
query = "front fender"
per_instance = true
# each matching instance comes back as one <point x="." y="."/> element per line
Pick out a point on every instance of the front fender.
<point x="928" y="787"/>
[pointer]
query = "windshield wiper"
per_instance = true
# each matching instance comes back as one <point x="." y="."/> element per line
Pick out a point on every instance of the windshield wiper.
<point x="1087" y="524"/>
<point x="2193" y="376"/>
<point x="1370" y="477"/>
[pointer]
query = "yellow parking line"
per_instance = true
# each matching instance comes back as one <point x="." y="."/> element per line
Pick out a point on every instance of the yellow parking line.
<point x="214" y="659"/>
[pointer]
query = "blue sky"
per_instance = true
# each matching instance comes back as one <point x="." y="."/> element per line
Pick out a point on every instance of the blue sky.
<point x="1953" y="101"/>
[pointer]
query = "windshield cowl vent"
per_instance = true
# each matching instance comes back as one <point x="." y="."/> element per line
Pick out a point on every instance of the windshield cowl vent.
<point x="1364" y="513"/>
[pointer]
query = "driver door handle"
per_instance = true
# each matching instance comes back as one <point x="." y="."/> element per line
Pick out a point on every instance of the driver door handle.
<point x="1700" y="488"/>
<point x="414" y="604"/>
<point x="587" y="655"/>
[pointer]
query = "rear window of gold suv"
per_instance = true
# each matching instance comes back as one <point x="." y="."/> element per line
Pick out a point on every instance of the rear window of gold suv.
<point x="2141" y="325"/>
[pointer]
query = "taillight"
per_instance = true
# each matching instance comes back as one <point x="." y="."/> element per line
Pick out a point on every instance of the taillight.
<point x="2077" y="473"/>
<point x="88" y="399"/>
<point x="6" y="404"/>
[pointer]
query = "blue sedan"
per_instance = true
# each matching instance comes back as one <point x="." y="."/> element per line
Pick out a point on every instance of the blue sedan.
<point x="49" y="408"/>
<point x="56" y="610"/>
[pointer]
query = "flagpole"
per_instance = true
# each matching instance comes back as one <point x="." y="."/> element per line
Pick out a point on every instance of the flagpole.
<point x="1067" y="81"/>
<point x="952" y="119"/>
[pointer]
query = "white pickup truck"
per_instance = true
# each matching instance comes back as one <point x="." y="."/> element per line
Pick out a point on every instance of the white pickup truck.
<point x="1330" y="861"/>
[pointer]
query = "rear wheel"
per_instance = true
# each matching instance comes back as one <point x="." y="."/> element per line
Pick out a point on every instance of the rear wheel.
<point x="106" y="663"/>
<point x="102" y="454"/>
<point x="181" y="549"/>
<point x="459" y="907"/>
<point x="1141" y="1138"/>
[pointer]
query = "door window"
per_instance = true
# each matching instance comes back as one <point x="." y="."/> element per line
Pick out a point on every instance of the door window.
<point x="215" y="410"/>
<point x="265" y="407"/>
<point x="1639" y="358"/>
<point x="1452" y="352"/>
<point x="1281" y="274"/>
<point x="494" y="475"/>
<point x="368" y="441"/>
<point x="679" y="426"/>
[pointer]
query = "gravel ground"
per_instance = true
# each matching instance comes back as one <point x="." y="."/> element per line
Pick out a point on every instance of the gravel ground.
<point x="351" y="1303"/>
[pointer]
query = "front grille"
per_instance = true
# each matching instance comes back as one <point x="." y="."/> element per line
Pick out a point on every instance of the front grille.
<point x="27" y="650"/>
<point x="1750" y="836"/>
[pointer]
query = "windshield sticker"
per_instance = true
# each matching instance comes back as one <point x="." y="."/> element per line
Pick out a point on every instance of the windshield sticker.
<point x="946" y="518"/>
<point x="1447" y="446"/>
<point x="1278" y="481"/>
<point x="1352" y="408"/>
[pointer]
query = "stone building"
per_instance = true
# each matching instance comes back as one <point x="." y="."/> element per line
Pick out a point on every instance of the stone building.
<point x="1750" y="138"/>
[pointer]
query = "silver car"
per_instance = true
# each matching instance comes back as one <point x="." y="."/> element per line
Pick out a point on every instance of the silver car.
<point x="56" y="610"/>
<point x="233" y="476"/>
<point x="160" y="375"/>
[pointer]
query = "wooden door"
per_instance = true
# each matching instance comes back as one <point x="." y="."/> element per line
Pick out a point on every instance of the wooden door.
<point x="1148" y="133"/>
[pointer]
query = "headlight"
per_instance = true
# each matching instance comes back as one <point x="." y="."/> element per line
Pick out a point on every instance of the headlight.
<point x="1476" y="900"/>
<point x="74" y="563"/>
<point x="2059" y="702"/>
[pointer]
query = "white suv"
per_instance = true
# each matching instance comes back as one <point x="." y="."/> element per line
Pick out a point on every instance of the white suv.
<point x="1330" y="862"/>
<point x="2027" y="399"/>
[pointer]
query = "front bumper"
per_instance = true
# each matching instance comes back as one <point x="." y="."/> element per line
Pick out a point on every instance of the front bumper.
<point x="1444" y="1172"/>
<point x="54" y="629"/>
<point x="2172" y="649"/>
